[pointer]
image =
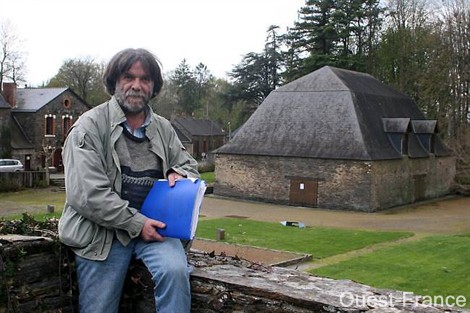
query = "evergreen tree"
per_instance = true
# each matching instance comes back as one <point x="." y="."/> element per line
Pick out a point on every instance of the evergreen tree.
<point x="258" y="73"/>
<point x="186" y="88"/>
<point x="340" y="33"/>
<point x="204" y="83"/>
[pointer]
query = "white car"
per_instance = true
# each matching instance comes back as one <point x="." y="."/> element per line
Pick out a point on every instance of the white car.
<point x="11" y="165"/>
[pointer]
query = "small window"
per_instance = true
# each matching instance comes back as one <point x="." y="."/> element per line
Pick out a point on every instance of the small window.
<point x="49" y="125"/>
<point x="67" y="103"/>
<point x="425" y="130"/>
<point x="66" y="124"/>
<point x="397" y="130"/>
<point x="399" y="142"/>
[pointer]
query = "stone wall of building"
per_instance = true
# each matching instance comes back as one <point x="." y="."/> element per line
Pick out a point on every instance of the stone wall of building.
<point x="4" y="116"/>
<point x="64" y="106"/>
<point x="4" y="130"/>
<point x="398" y="182"/>
<point x="67" y="104"/>
<point x="342" y="184"/>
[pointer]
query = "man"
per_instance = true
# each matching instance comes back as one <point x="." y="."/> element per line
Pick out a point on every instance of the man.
<point x="112" y="156"/>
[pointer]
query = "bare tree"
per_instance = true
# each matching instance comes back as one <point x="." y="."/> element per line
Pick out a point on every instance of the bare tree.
<point x="83" y="75"/>
<point x="456" y="19"/>
<point x="12" y="57"/>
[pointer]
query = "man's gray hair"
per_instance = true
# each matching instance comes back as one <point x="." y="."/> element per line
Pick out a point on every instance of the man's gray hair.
<point x="123" y="61"/>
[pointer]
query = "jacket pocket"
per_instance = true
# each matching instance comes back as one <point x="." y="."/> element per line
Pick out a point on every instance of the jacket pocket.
<point x="75" y="230"/>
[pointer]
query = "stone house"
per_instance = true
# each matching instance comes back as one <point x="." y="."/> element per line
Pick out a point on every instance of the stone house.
<point x="336" y="139"/>
<point x="37" y="120"/>
<point x="199" y="136"/>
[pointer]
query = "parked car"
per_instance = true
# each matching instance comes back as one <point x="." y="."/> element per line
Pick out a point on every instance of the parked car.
<point x="11" y="165"/>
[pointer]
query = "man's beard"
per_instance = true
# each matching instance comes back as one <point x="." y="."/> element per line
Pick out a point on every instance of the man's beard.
<point x="134" y="106"/>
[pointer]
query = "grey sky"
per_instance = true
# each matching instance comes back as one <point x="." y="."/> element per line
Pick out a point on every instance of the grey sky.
<point x="215" y="32"/>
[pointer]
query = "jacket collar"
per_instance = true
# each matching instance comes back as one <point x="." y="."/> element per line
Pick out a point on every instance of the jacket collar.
<point x="116" y="114"/>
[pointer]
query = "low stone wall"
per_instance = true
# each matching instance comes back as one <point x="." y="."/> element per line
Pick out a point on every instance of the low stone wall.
<point x="37" y="276"/>
<point x="34" y="276"/>
<point x="23" y="179"/>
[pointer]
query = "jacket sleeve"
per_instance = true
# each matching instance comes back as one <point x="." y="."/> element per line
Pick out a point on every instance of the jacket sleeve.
<point x="179" y="159"/>
<point x="89" y="189"/>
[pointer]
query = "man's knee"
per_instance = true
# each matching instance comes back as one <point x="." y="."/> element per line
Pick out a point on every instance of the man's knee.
<point x="172" y="270"/>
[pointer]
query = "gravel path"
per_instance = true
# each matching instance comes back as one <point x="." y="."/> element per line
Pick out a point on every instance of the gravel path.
<point x="443" y="216"/>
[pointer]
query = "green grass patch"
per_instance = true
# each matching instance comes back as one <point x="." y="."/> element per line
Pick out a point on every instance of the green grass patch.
<point x="433" y="266"/>
<point x="34" y="196"/>
<point x="40" y="217"/>
<point x="320" y="242"/>
<point x="208" y="177"/>
<point x="33" y="201"/>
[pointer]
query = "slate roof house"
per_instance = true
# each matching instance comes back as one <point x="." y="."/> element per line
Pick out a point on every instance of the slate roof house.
<point x="38" y="120"/>
<point x="198" y="136"/>
<point x="336" y="139"/>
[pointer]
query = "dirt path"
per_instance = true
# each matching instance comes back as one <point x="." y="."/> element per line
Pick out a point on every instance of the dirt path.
<point x="443" y="216"/>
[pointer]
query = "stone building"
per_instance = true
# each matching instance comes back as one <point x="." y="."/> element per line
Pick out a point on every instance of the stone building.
<point x="36" y="121"/>
<point x="199" y="136"/>
<point x="336" y="139"/>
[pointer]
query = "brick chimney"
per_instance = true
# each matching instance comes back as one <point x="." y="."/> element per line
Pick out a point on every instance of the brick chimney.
<point x="9" y="93"/>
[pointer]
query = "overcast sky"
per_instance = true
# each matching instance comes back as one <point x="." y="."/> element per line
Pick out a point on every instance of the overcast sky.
<point x="215" y="32"/>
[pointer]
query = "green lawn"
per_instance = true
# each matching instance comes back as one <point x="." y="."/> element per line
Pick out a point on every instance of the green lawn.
<point x="34" y="196"/>
<point x="208" y="177"/>
<point x="320" y="242"/>
<point x="32" y="200"/>
<point x="433" y="266"/>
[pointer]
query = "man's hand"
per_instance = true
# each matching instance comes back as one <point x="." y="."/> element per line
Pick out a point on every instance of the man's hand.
<point x="173" y="177"/>
<point x="149" y="231"/>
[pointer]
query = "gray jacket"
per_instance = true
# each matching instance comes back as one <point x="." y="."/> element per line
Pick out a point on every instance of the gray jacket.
<point x="94" y="211"/>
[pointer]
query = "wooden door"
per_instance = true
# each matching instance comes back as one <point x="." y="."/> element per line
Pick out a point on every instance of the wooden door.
<point x="303" y="192"/>
<point x="419" y="182"/>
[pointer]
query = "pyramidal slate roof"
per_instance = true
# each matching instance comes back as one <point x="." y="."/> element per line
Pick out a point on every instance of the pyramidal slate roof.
<point x="330" y="113"/>
<point x="33" y="99"/>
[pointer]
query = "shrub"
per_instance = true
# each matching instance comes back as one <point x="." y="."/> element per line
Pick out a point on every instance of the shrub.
<point x="204" y="167"/>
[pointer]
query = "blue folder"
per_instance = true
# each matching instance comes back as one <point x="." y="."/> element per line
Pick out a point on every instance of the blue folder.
<point x="178" y="206"/>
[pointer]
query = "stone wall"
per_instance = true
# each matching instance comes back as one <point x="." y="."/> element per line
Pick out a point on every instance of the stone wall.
<point x="4" y="117"/>
<point x="342" y="184"/>
<point x="398" y="182"/>
<point x="18" y="180"/>
<point x="5" y="135"/>
<point x="36" y="275"/>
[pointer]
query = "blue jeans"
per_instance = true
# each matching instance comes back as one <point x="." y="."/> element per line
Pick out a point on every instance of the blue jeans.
<point x="100" y="283"/>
